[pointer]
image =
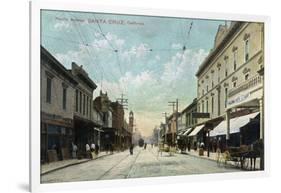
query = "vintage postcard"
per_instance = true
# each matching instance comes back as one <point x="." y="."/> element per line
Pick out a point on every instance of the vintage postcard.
<point x="135" y="96"/>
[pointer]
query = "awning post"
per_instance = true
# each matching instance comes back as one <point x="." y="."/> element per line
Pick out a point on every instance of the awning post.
<point x="227" y="124"/>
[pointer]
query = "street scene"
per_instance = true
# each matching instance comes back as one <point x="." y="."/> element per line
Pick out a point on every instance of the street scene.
<point x="128" y="96"/>
<point x="144" y="163"/>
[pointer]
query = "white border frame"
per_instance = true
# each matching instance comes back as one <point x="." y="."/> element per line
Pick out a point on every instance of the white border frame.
<point x="34" y="145"/>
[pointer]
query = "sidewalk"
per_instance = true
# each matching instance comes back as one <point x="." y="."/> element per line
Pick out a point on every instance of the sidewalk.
<point x="53" y="166"/>
<point x="213" y="157"/>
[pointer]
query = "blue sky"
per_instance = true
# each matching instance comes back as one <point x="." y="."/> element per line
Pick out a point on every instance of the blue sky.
<point x="142" y="57"/>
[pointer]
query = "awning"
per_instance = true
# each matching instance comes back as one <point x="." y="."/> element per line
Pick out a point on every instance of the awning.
<point x="181" y="129"/>
<point x="181" y="132"/>
<point x="187" y="131"/>
<point x="235" y="125"/>
<point x="196" y="130"/>
<point x="97" y="129"/>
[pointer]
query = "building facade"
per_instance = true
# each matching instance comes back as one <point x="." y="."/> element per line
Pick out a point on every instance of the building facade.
<point x="229" y="80"/>
<point x="83" y="111"/>
<point x="102" y="104"/>
<point x="57" y="107"/>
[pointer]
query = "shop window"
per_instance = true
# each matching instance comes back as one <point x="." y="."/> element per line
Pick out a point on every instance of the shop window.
<point x="235" y="60"/>
<point x="49" y="90"/>
<point x="225" y="97"/>
<point x="80" y="102"/>
<point x="212" y="104"/>
<point x="87" y="106"/>
<point x="53" y="129"/>
<point x="84" y="103"/>
<point x="246" y="76"/>
<point x="76" y="100"/>
<point x="64" y="95"/>
<point x="247" y="50"/>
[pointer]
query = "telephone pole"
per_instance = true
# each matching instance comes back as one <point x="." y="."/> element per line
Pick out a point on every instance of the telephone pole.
<point x="124" y="106"/>
<point x="175" y="104"/>
<point x="123" y="101"/>
<point x="165" y="135"/>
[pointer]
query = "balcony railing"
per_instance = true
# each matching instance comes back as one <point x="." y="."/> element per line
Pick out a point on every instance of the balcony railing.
<point x="252" y="82"/>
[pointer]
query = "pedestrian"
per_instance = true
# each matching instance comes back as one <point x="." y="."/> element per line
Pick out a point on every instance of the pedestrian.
<point x="188" y="146"/>
<point x="131" y="149"/>
<point x="93" y="147"/>
<point x="111" y="148"/>
<point x="202" y="145"/>
<point x="74" y="151"/>
<point x="88" y="151"/>
<point x="97" y="148"/>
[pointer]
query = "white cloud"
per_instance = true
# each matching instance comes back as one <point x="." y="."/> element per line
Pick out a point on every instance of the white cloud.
<point x="157" y="57"/>
<point x="182" y="63"/>
<point x="176" y="46"/>
<point x="62" y="25"/>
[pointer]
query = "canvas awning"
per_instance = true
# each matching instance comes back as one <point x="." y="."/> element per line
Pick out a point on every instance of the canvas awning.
<point x="181" y="132"/>
<point x="196" y="130"/>
<point x="187" y="131"/>
<point x="235" y="125"/>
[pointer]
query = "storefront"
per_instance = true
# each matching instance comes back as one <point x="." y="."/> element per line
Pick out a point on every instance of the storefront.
<point x="56" y="138"/>
<point x="243" y="130"/>
<point x="197" y="135"/>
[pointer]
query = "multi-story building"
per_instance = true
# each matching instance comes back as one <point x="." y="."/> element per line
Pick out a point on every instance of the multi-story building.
<point x="117" y="123"/>
<point x="187" y="122"/>
<point x="102" y="104"/>
<point x="83" y="108"/>
<point x="57" y="107"/>
<point x="229" y="80"/>
<point x="171" y="130"/>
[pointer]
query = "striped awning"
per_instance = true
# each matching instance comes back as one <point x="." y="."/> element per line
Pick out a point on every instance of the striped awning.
<point x="196" y="130"/>
<point x="234" y="125"/>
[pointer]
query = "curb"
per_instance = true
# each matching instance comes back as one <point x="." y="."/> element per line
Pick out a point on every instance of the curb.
<point x="72" y="164"/>
<point x="206" y="158"/>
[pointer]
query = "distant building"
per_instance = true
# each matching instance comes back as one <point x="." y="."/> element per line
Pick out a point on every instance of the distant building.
<point x="171" y="131"/>
<point x="117" y="123"/>
<point x="103" y="105"/>
<point x="186" y="122"/>
<point x="131" y="122"/>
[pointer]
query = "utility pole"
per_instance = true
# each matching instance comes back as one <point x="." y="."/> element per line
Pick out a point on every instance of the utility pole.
<point x="123" y="101"/>
<point x="165" y="135"/>
<point x="124" y="106"/>
<point x="177" y="111"/>
<point x="175" y="104"/>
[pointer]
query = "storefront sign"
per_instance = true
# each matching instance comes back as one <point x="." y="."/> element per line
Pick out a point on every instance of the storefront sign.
<point x="238" y="99"/>
<point x="200" y="115"/>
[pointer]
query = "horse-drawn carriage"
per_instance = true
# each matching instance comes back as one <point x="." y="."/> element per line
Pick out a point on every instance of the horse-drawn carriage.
<point x="243" y="156"/>
<point x="165" y="148"/>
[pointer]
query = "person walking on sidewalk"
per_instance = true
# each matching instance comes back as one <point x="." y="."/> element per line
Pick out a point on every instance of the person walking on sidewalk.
<point x="93" y="147"/>
<point x="97" y="148"/>
<point x="74" y="151"/>
<point x="131" y="149"/>
<point x="88" y="151"/>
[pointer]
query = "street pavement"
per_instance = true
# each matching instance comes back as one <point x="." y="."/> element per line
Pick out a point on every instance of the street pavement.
<point x="144" y="163"/>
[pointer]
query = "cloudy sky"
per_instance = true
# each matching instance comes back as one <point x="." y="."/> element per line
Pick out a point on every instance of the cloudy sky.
<point x="151" y="60"/>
